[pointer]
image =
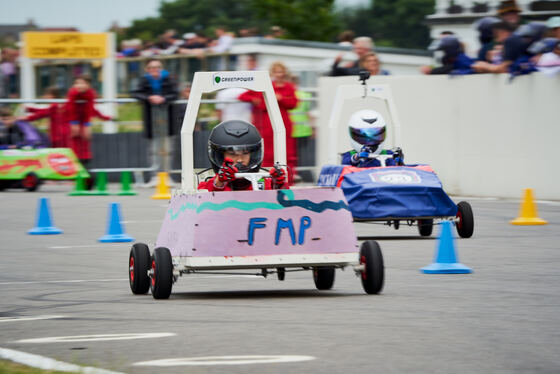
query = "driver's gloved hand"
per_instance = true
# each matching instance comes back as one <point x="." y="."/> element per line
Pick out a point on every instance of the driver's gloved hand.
<point x="355" y="159"/>
<point x="278" y="175"/>
<point x="227" y="171"/>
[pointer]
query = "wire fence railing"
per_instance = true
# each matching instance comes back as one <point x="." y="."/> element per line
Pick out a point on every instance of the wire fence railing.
<point x="124" y="148"/>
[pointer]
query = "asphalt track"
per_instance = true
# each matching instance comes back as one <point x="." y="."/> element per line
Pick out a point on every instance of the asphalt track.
<point x="503" y="318"/>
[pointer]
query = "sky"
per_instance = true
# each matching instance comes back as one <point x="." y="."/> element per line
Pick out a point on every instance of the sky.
<point x="86" y="15"/>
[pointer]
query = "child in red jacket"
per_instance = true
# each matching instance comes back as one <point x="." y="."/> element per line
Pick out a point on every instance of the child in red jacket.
<point x="236" y="146"/>
<point x="80" y="110"/>
<point x="59" y="129"/>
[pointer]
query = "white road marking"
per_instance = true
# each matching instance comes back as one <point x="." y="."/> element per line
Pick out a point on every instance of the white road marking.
<point x="21" y="319"/>
<point x="46" y="363"/>
<point x="97" y="338"/>
<point x="65" y="281"/>
<point x="224" y="360"/>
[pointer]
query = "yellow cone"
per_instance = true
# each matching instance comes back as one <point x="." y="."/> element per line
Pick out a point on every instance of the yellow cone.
<point x="162" y="189"/>
<point x="528" y="211"/>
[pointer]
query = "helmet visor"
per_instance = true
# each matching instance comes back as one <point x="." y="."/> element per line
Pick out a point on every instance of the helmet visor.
<point x="368" y="135"/>
<point x="245" y="157"/>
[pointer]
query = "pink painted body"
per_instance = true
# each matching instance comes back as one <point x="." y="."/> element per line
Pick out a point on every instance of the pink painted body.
<point x="254" y="223"/>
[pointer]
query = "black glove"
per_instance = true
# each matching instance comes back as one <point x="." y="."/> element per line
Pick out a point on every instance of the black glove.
<point x="227" y="171"/>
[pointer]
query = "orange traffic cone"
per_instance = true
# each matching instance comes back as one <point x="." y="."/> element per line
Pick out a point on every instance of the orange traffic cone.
<point x="528" y="211"/>
<point x="162" y="188"/>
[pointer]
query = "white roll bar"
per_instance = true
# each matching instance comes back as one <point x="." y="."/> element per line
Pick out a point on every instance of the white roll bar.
<point x="355" y="91"/>
<point x="206" y="82"/>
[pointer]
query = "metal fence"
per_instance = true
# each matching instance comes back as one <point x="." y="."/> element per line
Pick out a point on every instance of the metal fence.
<point x="129" y="150"/>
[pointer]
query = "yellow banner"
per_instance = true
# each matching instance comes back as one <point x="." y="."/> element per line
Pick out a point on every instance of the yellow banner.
<point x="65" y="45"/>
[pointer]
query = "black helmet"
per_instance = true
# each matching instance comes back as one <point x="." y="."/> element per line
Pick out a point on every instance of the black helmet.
<point x="236" y="135"/>
<point x="543" y="46"/>
<point x="485" y="29"/>
<point x="532" y="31"/>
<point x="450" y="46"/>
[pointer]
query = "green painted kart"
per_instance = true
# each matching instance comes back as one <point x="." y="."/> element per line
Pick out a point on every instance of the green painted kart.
<point x="27" y="168"/>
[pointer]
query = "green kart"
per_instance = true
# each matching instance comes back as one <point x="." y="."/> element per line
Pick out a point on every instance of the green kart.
<point x="27" y="168"/>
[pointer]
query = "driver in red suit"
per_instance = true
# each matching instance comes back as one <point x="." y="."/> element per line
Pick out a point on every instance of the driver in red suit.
<point x="237" y="147"/>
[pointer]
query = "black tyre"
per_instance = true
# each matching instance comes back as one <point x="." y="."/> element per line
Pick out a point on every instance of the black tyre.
<point x="373" y="274"/>
<point x="162" y="273"/>
<point x="425" y="227"/>
<point x="323" y="278"/>
<point x="30" y="182"/>
<point x="281" y="272"/>
<point x="138" y="266"/>
<point x="465" y="220"/>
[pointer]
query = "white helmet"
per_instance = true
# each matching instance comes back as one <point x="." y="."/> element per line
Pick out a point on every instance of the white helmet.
<point x="367" y="128"/>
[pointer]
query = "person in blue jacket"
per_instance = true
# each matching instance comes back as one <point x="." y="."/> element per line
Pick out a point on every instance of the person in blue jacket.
<point x="452" y="58"/>
<point x="367" y="130"/>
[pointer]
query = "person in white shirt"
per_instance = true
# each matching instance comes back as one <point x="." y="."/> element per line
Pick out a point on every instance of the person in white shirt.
<point x="232" y="111"/>
<point x="549" y="63"/>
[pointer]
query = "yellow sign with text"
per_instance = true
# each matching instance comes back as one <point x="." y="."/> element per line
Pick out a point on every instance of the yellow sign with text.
<point x="65" y="45"/>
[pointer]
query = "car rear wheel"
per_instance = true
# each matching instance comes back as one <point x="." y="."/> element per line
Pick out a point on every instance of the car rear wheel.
<point x="138" y="266"/>
<point x="323" y="277"/>
<point x="425" y="227"/>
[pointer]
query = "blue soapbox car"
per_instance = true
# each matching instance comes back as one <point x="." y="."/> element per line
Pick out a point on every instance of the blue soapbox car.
<point x="388" y="194"/>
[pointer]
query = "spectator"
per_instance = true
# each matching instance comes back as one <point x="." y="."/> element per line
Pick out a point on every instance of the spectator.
<point x="80" y="109"/>
<point x="513" y="51"/>
<point x="346" y="37"/>
<point x="252" y="62"/>
<point x="155" y="88"/>
<point x="149" y="49"/>
<point x="549" y="63"/>
<point x="130" y="48"/>
<point x="285" y="94"/>
<point x="509" y="12"/>
<point x="361" y="45"/>
<point x="303" y="130"/>
<point x="485" y="26"/>
<point x="9" y="71"/>
<point x="16" y="133"/>
<point x="553" y="24"/>
<point x="168" y="43"/>
<point x="10" y="134"/>
<point x="544" y="45"/>
<point x="232" y="111"/>
<point x="179" y="109"/>
<point x="193" y="44"/>
<point x="453" y="59"/>
<point x="59" y="128"/>
<point x="276" y="32"/>
<point x="155" y="91"/>
<point x="224" y="41"/>
<point x="248" y="32"/>
<point x="370" y="62"/>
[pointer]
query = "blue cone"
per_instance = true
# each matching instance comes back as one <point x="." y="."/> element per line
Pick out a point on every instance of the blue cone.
<point x="445" y="261"/>
<point x="115" y="232"/>
<point x="43" y="225"/>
